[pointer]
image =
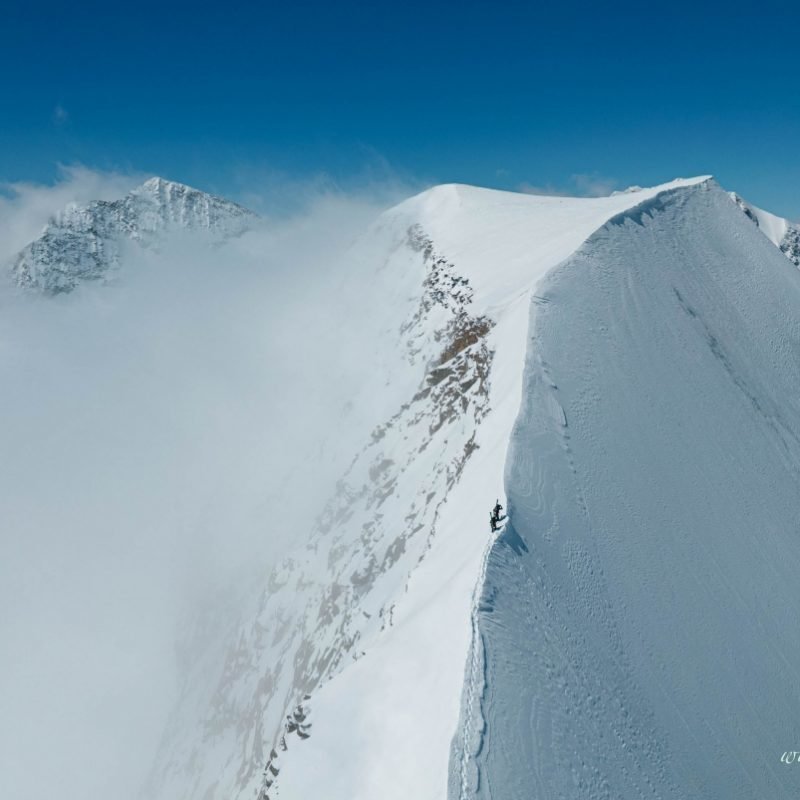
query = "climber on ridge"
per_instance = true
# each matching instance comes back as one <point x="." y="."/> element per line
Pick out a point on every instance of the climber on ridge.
<point x="496" y="516"/>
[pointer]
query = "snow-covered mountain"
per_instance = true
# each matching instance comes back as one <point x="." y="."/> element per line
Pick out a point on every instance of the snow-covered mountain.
<point x="621" y="374"/>
<point x="370" y="649"/>
<point x="85" y="243"/>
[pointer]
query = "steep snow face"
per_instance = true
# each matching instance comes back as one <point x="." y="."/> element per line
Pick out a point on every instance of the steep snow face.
<point x="782" y="233"/>
<point x="633" y="629"/>
<point x="85" y="243"/>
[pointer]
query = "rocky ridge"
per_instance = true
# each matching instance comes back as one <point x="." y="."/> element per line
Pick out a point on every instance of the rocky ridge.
<point x="368" y="541"/>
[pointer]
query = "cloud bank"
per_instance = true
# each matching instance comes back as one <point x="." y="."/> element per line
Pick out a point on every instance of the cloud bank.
<point x="164" y="439"/>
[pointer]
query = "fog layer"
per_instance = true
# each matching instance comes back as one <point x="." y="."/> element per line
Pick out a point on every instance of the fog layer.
<point x="157" y="437"/>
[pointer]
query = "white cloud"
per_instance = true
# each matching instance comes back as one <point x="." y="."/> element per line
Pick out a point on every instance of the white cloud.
<point x="591" y="184"/>
<point x="148" y="432"/>
<point x="25" y="207"/>
<point x="547" y="189"/>
<point x="60" y="115"/>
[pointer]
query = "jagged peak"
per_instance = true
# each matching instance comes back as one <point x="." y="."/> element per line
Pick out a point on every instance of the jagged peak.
<point x="82" y="242"/>
<point x="158" y="184"/>
<point x="158" y="187"/>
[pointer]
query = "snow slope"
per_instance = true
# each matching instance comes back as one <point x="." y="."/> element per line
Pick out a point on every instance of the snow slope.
<point x="636" y="617"/>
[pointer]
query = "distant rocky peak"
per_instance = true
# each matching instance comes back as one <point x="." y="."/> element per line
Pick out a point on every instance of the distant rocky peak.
<point x="83" y="242"/>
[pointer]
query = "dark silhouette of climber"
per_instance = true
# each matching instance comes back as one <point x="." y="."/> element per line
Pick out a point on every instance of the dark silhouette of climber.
<point x="498" y="511"/>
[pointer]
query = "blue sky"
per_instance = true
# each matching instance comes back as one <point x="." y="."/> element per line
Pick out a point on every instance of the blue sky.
<point x="575" y="97"/>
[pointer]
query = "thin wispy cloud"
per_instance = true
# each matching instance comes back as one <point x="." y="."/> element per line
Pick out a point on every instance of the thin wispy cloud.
<point x="547" y="189"/>
<point x="60" y="115"/>
<point x="591" y="184"/>
<point x="267" y="190"/>
<point x="26" y="206"/>
<point x="579" y="184"/>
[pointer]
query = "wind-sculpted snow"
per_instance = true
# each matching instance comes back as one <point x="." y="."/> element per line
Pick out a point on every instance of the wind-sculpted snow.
<point x="636" y="621"/>
<point x="85" y="243"/>
<point x="320" y="608"/>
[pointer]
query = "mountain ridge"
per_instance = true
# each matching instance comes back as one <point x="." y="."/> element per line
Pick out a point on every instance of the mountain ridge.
<point x="84" y="243"/>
